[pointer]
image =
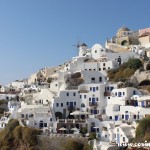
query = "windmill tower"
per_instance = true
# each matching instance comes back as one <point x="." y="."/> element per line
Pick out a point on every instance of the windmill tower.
<point x="82" y="48"/>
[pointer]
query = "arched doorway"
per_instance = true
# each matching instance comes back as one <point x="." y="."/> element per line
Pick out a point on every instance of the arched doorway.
<point x="144" y="82"/>
<point x="58" y="115"/>
<point x="148" y="67"/>
<point x="124" y="43"/>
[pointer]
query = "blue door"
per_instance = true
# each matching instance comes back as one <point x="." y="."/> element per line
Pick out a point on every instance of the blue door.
<point x="136" y="103"/>
<point x="71" y="104"/>
<point x="116" y="118"/>
<point x="118" y="138"/>
<point x="92" y="129"/>
<point x="143" y="104"/>
<point x="93" y="100"/>
<point x="119" y="94"/>
<point x="95" y="111"/>
<point x="126" y="117"/>
<point x="93" y="89"/>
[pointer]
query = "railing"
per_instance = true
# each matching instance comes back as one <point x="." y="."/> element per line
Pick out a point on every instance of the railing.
<point x="71" y="120"/>
<point x="93" y="104"/>
<point x="107" y="93"/>
<point x="71" y="107"/>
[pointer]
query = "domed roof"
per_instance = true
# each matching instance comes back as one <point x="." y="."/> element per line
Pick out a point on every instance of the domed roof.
<point x="123" y="29"/>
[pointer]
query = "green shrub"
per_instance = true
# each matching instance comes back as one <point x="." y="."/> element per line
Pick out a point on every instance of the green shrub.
<point x="92" y="136"/>
<point x="73" y="145"/>
<point x="87" y="147"/>
<point x="143" y="128"/>
<point x="125" y="71"/>
<point x="29" y="136"/>
<point x="134" y="64"/>
<point x="33" y="148"/>
<point x="17" y="133"/>
<point x="12" y="125"/>
<point x="84" y="130"/>
<point x="5" y="148"/>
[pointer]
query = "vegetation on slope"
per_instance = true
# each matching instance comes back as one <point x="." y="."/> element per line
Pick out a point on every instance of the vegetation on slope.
<point x="63" y="143"/>
<point x="15" y="137"/>
<point x="3" y="106"/>
<point x="143" y="129"/>
<point x="125" y="71"/>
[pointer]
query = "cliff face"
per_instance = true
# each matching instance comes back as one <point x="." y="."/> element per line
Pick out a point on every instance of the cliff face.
<point x="140" y="77"/>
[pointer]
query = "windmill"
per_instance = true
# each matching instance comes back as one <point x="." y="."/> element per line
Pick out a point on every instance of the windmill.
<point x="77" y="45"/>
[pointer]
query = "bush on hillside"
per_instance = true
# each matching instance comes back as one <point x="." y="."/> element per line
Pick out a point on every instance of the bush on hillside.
<point x="14" y="136"/>
<point x="92" y="136"/>
<point x="29" y="136"/>
<point x="5" y="148"/>
<point x="125" y="71"/>
<point x="143" y="129"/>
<point x="73" y="145"/>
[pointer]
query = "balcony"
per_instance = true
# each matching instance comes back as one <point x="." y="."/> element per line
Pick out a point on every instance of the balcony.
<point x="93" y="104"/>
<point x="71" y="108"/>
<point x="71" y="120"/>
<point x="107" y="93"/>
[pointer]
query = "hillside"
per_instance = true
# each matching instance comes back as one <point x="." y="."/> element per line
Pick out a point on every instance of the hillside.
<point x="125" y="71"/>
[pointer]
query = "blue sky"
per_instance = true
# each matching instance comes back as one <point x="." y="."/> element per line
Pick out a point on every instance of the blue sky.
<point x="39" y="33"/>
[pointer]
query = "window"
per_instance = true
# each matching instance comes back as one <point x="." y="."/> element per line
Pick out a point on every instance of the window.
<point x="105" y="135"/>
<point x="123" y="93"/>
<point x="74" y="94"/>
<point x="122" y="116"/>
<point x="56" y="85"/>
<point x="100" y="79"/>
<point x="126" y="111"/>
<point x="116" y="93"/>
<point x="134" y="116"/>
<point x="90" y="69"/>
<point x="74" y="103"/>
<point x="111" y="88"/>
<point x="82" y="105"/>
<point x="67" y="103"/>
<point x="119" y="94"/>
<point x="110" y="117"/>
<point x="108" y="97"/>
<point x="57" y="104"/>
<point x="89" y="99"/>
<point x="22" y="115"/>
<point x="67" y="94"/>
<point x="93" y="79"/>
<point x="90" y="88"/>
<point x="97" y="98"/>
<point x="45" y="124"/>
<point x="123" y="139"/>
<point x="61" y="104"/>
<point x="94" y="69"/>
<point x="80" y="96"/>
<point x="108" y="67"/>
<point x="99" y="69"/>
<point x="95" y="51"/>
<point x="103" y="64"/>
<point x="104" y="68"/>
<point x="108" y="88"/>
<point x="96" y="88"/>
<point x="84" y="96"/>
